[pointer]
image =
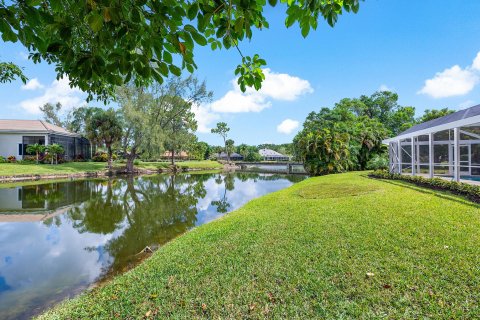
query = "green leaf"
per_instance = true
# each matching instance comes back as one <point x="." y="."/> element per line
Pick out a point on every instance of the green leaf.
<point x="239" y="25"/>
<point x="167" y="57"/>
<point x="95" y="21"/>
<point x="163" y="69"/>
<point x="199" y="38"/>
<point x="192" y="11"/>
<point x="175" y="70"/>
<point x="305" y="30"/>
<point x="34" y="2"/>
<point x="273" y="3"/>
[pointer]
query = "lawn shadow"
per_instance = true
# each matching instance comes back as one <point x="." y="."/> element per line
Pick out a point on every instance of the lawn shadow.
<point x="443" y="194"/>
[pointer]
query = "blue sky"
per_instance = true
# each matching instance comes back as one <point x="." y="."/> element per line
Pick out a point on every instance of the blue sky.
<point x="423" y="50"/>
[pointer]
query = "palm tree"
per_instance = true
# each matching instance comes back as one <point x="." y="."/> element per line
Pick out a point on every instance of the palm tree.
<point x="37" y="149"/>
<point x="55" y="150"/>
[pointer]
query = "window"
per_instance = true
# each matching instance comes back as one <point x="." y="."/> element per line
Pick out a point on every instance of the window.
<point x="20" y="149"/>
<point x="27" y="140"/>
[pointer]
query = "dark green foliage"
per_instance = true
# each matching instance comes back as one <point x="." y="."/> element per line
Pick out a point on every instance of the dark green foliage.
<point x="324" y="150"/>
<point x="104" y="128"/>
<point x="103" y="44"/>
<point x="249" y="153"/>
<point x="468" y="190"/>
<point x="350" y="134"/>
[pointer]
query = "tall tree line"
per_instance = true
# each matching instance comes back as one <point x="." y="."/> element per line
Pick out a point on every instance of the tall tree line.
<point x="349" y="135"/>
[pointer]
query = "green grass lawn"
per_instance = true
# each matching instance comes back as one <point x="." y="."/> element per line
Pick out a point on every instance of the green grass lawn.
<point x="304" y="252"/>
<point x="11" y="169"/>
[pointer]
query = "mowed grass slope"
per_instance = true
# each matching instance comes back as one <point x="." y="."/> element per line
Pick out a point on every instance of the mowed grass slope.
<point x="12" y="169"/>
<point x="304" y="253"/>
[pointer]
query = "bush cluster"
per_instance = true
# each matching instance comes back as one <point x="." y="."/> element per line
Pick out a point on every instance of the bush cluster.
<point x="11" y="159"/>
<point x="103" y="157"/>
<point x="470" y="191"/>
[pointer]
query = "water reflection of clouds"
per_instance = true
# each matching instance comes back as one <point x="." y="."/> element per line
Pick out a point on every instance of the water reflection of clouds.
<point x="243" y="192"/>
<point x="33" y="267"/>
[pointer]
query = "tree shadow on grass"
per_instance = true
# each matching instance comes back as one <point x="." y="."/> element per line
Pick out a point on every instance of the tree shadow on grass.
<point x="443" y="194"/>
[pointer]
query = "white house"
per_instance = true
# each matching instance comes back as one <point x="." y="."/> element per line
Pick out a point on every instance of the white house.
<point x="16" y="135"/>
<point x="271" y="155"/>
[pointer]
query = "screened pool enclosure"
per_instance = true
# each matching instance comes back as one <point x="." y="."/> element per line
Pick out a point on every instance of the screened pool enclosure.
<point x="445" y="147"/>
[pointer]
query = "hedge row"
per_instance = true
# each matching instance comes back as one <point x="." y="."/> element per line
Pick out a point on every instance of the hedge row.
<point x="470" y="191"/>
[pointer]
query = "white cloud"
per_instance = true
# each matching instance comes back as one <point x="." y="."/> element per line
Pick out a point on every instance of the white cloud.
<point x="454" y="81"/>
<point x="204" y="118"/>
<point x="282" y="86"/>
<point x="58" y="91"/>
<point x="235" y="101"/>
<point x="287" y="126"/>
<point x="384" y="87"/>
<point x="476" y="62"/>
<point x="276" y="86"/>
<point x="32" y="84"/>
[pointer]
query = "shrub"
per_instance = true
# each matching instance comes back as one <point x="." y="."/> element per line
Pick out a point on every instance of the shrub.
<point x="79" y="158"/>
<point x="136" y="162"/>
<point x="379" y="162"/>
<point x="47" y="158"/>
<point x="29" y="159"/>
<point x="11" y="159"/>
<point x="102" y="156"/>
<point x="470" y="191"/>
<point x="3" y="160"/>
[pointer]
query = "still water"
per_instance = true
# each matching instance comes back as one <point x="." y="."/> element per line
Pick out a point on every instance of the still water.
<point x="58" y="238"/>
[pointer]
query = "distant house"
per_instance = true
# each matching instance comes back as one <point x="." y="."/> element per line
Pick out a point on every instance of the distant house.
<point x="16" y="135"/>
<point x="182" y="155"/>
<point x="233" y="156"/>
<point x="271" y="155"/>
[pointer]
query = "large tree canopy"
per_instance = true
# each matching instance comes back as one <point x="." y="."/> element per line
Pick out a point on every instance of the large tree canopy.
<point x="100" y="44"/>
<point x="349" y="135"/>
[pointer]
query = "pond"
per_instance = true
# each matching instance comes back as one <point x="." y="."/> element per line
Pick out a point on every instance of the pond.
<point x="59" y="238"/>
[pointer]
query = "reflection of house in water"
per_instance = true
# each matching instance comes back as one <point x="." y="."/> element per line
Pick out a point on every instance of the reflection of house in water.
<point x="39" y="202"/>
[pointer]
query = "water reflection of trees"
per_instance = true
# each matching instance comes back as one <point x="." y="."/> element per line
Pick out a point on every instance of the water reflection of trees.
<point x="140" y="212"/>
<point x="228" y="180"/>
<point x="145" y="211"/>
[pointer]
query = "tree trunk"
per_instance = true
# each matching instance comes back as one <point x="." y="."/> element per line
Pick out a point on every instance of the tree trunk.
<point x="225" y="144"/>
<point x="173" y="156"/>
<point x="109" y="149"/>
<point x="130" y="162"/>
<point x="37" y="157"/>
<point x="56" y="158"/>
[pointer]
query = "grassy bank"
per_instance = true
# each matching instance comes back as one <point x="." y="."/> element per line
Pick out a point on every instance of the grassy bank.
<point x="12" y="169"/>
<point x="340" y="246"/>
<point x="205" y="164"/>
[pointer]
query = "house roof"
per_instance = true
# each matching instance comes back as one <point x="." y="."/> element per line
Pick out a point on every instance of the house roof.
<point x="32" y="126"/>
<point x="460" y="118"/>
<point x="271" y="153"/>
